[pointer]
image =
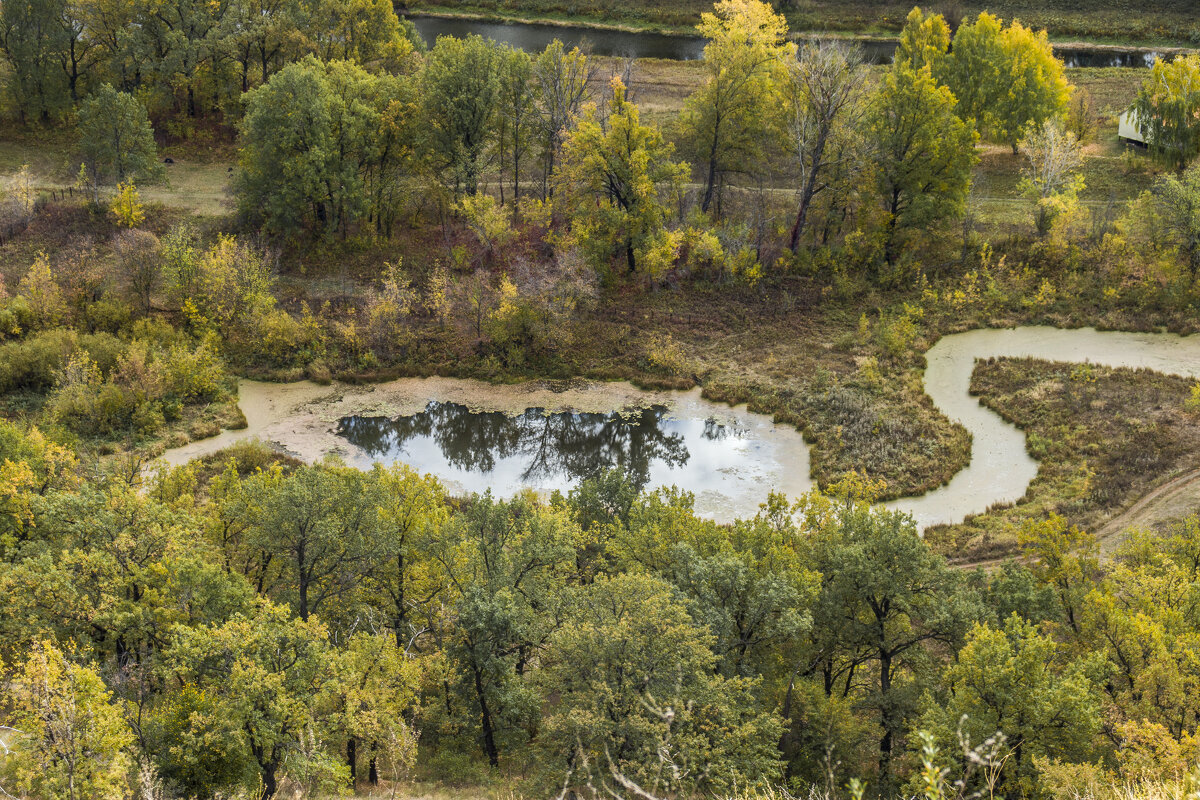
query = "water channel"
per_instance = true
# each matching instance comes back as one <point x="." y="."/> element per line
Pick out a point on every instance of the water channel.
<point x="475" y="436"/>
<point x="533" y="37"/>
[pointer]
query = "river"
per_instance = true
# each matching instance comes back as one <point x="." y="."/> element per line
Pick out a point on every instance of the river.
<point x="533" y="37"/>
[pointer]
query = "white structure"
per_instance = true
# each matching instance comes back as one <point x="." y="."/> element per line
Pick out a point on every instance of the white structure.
<point x="1127" y="128"/>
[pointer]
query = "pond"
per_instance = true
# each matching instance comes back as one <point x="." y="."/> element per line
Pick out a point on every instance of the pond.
<point x="476" y="436"/>
<point x="533" y="37"/>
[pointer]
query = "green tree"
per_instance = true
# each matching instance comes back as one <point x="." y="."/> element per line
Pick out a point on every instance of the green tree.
<point x="726" y="121"/>
<point x="1005" y="79"/>
<point x="561" y="77"/>
<point x="367" y="32"/>
<point x="460" y="86"/>
<point x="610" y="179"/>
<point x="638" y="703"/>
<point x="267" y="37"/>
<point x="320" y="523"/>
<point x="924" y="152"/>
<point x="66" y="739"/>
<point x="1168" y="110"/>
<point x="264" y="674"/>
<point x="1177" y="199"/>
<point x="116" y="140"/>
<point x="320" y="146"/>
<point x="406" y="581"/>
<point x="507" y="565"/>
<point x="1007" y="680"/>
<point x="516" y="116"/>
<point x="884" y="599"/>
<point x="32" y="39"/>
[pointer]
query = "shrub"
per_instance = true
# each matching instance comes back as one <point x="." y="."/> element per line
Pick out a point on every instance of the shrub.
<point x="194" y="375"/>
<point x="32" y="363"/>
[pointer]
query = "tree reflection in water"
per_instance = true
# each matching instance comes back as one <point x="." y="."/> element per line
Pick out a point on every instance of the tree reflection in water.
<point x="562" y="445"/>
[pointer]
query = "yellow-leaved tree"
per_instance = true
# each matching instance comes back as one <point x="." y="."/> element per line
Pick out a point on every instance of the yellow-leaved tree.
<point x="127" y="207"/>
<point x="728" y="119"/>
<point x="1006" y="79"/>
<point x="616" y="177"/>
<point x="67" y="738"/>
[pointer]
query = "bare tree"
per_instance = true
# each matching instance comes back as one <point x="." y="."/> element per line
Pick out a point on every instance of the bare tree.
<point x="824" y="92"/>
<point x="1053" y="156"/>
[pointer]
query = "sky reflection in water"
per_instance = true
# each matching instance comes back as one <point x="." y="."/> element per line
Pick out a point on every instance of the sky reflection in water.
<point x="474" y="451"/>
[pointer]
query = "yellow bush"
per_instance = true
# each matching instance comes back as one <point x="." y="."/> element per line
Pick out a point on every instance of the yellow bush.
<point x="127" y="207"/>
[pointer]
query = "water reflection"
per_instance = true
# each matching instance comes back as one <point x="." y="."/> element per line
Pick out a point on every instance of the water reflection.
<point x="537" y="449"/>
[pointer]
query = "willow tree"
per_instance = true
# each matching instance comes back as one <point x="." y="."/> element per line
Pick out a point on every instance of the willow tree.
<point x="1168" y="110"/>
<point x="728" y="118"/>
<point x="1006" y="79"/>
<point x="924" y="40"/>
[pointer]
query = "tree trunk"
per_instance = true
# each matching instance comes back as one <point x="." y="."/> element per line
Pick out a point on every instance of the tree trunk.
<point x="352" y="760"/>
<point x="485" y="720"/>
<point x="885" y="720"/>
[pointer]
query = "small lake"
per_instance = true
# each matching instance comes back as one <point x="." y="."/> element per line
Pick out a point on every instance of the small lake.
<point x="533" y="37"/>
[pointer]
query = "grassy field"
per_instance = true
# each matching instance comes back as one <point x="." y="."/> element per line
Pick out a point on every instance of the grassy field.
<point x="1151" y="23"/>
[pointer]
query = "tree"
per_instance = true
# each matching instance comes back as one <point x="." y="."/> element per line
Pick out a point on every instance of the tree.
<point x="1168" y="110"/>
<point x="610" y="176"/>
<point x="367" y="32"/>
<point x="638" y="703"/>
<point x="1177" y="199"/>
<point x="267" y="37"/>
<point x="1051" y="178"/>
<point x="1006" y="680"/>
<point x="824" y="94"/>
<point x="923" y="151"/>
<point x="507" y="565"/>
<point x="924" y="41"/>
<point x="460" y="85"/>
<point x="405" y="581"/>
<point x="1005" y="79"/>
<point x="562" y="77"/>
<point x="116" y="140"/>
<point x="139" y="255"/>
<point x="127" y="207"/>
<point x="265" y="673"/>
<point x="31" y="37"/>
<point x="321" y="146"/>
<point x="374" y="688"/>
<point x="515" y="115"/>
<point x="66" y="738"/>
<point x="727" y="119"/>
<point x="884" y="598"/>
<point x="320" y="523"/>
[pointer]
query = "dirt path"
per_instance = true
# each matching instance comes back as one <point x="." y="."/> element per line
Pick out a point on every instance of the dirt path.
<point x="1173" y="500"/>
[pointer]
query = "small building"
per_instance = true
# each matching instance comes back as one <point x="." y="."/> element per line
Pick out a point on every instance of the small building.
<point x="1128" y="129"/>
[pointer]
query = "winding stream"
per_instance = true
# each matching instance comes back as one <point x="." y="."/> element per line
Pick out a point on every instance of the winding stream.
<point x="475" y="435"/>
